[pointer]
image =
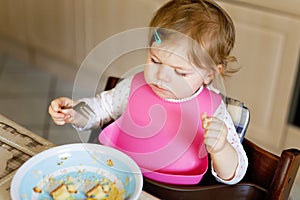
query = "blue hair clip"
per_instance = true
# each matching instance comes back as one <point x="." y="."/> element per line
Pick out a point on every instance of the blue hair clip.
<point x="157" y="38"/>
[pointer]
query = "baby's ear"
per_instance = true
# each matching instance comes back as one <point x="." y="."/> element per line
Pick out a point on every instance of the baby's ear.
<point x="211" y="74"/>
<point x="208" y="77"/>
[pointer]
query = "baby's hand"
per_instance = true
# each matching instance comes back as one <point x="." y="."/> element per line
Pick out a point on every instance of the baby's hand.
<point x="60" y="115"/>
<point x="215" y="135"/>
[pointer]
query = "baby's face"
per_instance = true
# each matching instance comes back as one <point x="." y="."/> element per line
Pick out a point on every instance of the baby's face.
<point x="171" y="75"/>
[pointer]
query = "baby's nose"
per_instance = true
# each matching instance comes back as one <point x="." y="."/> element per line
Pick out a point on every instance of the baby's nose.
<point x="164" y="73"/>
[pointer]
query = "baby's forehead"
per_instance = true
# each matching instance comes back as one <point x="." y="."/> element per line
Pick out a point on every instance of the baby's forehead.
<point x="171" y="51"/>
<point x="183" y="47"/>
<point x="177" y="47"/>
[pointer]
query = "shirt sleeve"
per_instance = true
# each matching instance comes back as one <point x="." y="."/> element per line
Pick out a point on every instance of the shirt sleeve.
<point x="108" y="105"/>
<point x="234" y="140"/>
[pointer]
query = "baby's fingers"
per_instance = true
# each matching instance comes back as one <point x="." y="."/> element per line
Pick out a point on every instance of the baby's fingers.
<point x="215" y="125"/>
<point x="212" y="133"/>
<point x="205" y="121"/>
<point x="54" y="113"/>
<point x="59" y="117"/>
<point x="203" y="115"/>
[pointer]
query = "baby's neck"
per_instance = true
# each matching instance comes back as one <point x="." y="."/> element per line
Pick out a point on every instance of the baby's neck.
<point x="186" y="98"/>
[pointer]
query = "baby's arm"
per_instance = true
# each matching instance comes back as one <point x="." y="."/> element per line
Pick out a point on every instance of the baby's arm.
<point x="108" y="105"/>
<point x="229" y="161"/>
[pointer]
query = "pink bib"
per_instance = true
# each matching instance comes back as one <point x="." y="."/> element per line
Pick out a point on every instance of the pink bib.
<point x="164" y="138"/>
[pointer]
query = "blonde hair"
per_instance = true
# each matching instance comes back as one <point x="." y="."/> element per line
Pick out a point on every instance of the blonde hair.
<point x="206" y="23"/>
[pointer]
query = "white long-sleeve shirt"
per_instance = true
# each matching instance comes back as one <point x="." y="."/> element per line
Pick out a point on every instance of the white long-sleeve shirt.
<point x="109" y="105"/>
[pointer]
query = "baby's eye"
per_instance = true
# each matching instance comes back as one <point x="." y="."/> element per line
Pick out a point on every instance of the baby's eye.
<point x="180" y="73"/>
<point x="155" y="61"/>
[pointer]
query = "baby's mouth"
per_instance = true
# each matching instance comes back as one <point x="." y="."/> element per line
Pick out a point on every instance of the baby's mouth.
<point x="157" y="87"/>
<point x="162" y="90"/>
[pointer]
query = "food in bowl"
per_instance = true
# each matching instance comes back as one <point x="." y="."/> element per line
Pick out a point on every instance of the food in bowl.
<point x="75" y="187"/>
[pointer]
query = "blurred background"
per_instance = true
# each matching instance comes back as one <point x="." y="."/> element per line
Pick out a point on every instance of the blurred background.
<point x="44" y="43"/>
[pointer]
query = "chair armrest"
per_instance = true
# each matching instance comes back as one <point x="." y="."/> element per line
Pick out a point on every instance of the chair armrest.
<point x="267" y="170"/>
<point x="285" y="174"/>
<point x="262" y="164"/>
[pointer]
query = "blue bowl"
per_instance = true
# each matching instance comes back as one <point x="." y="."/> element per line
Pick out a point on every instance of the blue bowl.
<point x="79" y="163"/>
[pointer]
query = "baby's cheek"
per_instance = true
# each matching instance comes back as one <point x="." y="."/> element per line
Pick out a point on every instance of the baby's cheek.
<point x="148" y="74"/>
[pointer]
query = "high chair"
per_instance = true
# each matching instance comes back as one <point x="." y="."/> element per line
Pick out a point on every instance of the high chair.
<point x="268" y="176"/>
